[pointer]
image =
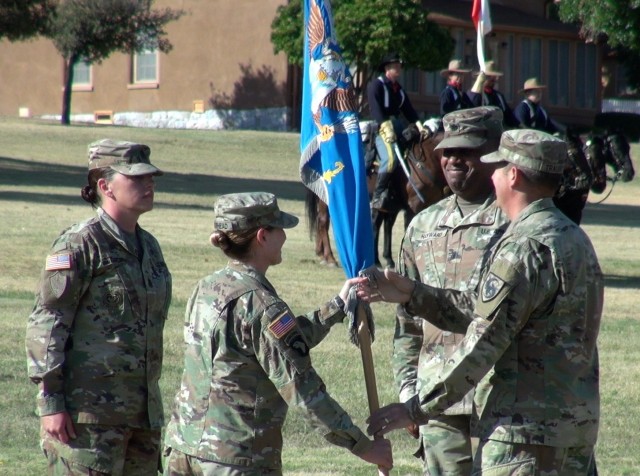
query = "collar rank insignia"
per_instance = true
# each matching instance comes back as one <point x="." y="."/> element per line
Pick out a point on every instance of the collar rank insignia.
<point x="491" y="287"/>
<point x="282" y="324"/>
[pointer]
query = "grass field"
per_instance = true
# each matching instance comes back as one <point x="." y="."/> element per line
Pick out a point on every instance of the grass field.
<point x="43" y="167"/>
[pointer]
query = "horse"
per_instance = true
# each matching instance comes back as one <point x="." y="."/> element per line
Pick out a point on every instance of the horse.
<point x="425" y="186"/>
<point x="396" y="203"/>
<point x="608" y="148"/>
<point x="426" y="174"/>
<point x="587" y="168"/>
<point x="577" y="179"/>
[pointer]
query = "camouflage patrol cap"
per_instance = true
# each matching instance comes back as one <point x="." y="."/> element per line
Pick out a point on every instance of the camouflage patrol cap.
<point x="126" y="158"/>
<point x="244" y="211"/>
<point x="531" y="149"/>
<point x="471" y="128"/>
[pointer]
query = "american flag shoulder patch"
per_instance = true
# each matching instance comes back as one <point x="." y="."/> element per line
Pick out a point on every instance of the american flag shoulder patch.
<point x="282" y="324"/>
<point x="59" y="261"/>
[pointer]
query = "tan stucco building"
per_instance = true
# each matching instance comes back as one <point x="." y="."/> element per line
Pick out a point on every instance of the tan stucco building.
<point x="222" y="70"/>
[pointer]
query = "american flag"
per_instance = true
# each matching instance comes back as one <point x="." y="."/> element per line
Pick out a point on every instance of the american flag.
<point x="61" y="261"/>
<point x="283" y="324"/>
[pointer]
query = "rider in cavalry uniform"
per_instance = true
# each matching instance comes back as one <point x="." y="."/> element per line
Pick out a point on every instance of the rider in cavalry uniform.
<point x="392" y="111"/>
<point x="530" y="112"/>
<point x="453" y="97"/>
<point x="484" y="93"/>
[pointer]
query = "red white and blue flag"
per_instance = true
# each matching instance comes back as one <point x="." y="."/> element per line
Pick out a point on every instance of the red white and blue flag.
<point x="481" y="16"/>
<point x="282" y="324"/>
<point x="61" y="261"/>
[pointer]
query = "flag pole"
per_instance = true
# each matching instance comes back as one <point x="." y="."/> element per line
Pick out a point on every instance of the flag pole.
<point x="364" y="339"/>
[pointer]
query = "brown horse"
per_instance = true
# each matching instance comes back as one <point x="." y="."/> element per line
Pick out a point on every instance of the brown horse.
<point x="423" y="162"/>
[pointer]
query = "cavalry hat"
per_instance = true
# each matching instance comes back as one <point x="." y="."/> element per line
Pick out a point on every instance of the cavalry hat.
<point x="244" y="211"/>
<point x="390" y="59"/>
<point x="530" y="149"/>
<point x="489" y="71"/>
<point x="455" y="66"/>
<point x="127" y="158"/>
<point x="532" y="83"/>
<point x="471" y="128"/>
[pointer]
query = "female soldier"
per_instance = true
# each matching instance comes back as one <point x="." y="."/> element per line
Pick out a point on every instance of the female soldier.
<point x="247" y="357"/>
<point x="94" y="338"/>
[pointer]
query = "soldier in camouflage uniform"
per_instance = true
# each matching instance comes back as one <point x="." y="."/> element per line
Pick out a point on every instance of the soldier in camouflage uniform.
<point x="446" y="246"/>
<point x="247" y="357"/>
<point x="94" y="338"/>
<point x="531" y="330"/>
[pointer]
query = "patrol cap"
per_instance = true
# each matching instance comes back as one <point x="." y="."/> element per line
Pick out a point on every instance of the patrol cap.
<point x="127" y="158"/>
<point x="244" y="211"/>
<point x="471" y="128"/>
<point x="531" y="149"/>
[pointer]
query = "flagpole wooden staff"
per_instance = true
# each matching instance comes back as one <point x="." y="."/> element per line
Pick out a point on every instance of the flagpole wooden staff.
<point x="364" y="339"/>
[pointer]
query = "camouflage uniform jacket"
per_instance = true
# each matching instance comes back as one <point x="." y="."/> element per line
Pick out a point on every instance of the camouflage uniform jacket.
<point x="443" y="249"/>
<point x="247" y="359"/>
<point x="530" y="348"/>
<point x="94" y="337"/>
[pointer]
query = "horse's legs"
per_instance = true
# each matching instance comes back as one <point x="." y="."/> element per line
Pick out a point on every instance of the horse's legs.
<point x="323" y="243"/>
<point x="387" y="252"/>
<point x="377" y="218"/>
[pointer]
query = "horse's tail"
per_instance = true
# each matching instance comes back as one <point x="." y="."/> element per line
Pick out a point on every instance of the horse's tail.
<point x="311" y="211"/>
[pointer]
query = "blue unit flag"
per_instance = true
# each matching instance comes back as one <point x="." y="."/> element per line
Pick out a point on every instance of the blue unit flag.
<point x="332" y="156"/>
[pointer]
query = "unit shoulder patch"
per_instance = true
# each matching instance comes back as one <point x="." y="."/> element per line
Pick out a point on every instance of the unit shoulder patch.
<point x="491" y="287"/>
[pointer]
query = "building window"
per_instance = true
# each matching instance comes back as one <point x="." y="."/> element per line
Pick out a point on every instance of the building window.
<point x="531" y="58"/>
<point x="505" y="64"/>
<point x="411" y="80"/>
<point x="559" y="71"/>
<point x="586" y="76"/>
<point x="82" y="77"/>
<point x="434" y="83"/>
<point x="144" y="71"/>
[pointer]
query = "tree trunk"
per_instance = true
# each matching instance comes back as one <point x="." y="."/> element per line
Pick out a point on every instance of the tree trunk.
<point x="66" y="93"/>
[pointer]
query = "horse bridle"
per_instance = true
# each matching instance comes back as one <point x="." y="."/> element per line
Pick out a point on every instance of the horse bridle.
<point x="418" y="162"/>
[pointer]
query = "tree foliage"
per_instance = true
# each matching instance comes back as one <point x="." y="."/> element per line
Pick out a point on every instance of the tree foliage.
<point x="21" y="19"/>
<point x="619" y="20"/>
<point x="368" y="30"/>
<point x="94" y="29"/>
<point x="616" y="22"/>
<point x="91" y="30"/>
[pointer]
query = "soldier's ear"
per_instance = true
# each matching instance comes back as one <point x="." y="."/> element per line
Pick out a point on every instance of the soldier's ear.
<point x="103" y="187"/>
<point x="261" y="235"/>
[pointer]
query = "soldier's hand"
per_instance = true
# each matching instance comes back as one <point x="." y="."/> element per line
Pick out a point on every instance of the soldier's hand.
<point x="479" y="84"/>
<point x="414" y="430"/>
<point x="379" y="454"/>
<point x="388" y="286"/>
<point x="411" y="133"/>
<point x="430" y="127"/>
<point x="58" y="426"/>
<point x="387" y="133"/>
<point x="389" y="418"/>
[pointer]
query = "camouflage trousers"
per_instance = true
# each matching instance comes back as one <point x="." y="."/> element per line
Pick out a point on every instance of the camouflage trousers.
<point x="500" y="458"/>
<point x="178" y="463"/>
<point x="446" y="446"/>
<point x="104" y="449"/>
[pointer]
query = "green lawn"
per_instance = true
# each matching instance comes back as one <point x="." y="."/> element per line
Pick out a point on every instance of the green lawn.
<point x="43" y="167"/>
